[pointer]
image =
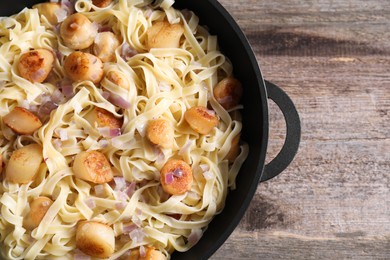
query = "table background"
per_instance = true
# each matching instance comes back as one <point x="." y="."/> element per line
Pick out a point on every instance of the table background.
<point x="333" y="202"/>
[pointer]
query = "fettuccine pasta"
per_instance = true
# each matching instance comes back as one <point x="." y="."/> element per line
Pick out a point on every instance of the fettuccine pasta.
<point x="99" y="149"/>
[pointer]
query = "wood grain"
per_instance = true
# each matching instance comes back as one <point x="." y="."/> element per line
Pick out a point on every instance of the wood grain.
<point x="333" y="59"/>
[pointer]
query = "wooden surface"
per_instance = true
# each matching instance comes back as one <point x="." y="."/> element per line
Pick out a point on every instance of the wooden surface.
<point x="333" y="59"/>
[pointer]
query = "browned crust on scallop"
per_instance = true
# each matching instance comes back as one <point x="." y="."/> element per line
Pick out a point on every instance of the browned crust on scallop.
<point x="181" y="184"/>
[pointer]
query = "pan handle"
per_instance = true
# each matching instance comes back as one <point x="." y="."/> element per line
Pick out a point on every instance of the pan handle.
<point x="293" y="133"/>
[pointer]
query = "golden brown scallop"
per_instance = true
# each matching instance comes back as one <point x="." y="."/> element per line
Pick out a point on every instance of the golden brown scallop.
<point x="35" y="65"/>
<point x="92" y="166"/>
<point x="228" y="92"/>
<point x="24" y="164"/>
<point x="95" y="239"/>
<point x="104" y="46"/>
<point x="162" y="34"/>
<point x="50" y="10"/>
<point x="22" y="121"/>
<point x="78" y="32"/>
<point x="176" y="177"/>
<point x="81" y="66"/>
<point x="100" y="117"/>
<point x="201" y="119"/>
<point x="118" y="78"/>
<point x="38" y="208"/>
<point x="160" y="132"/>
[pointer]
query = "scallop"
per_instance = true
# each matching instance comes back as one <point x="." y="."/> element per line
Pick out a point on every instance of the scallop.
<point x="201" y="119"/>
<point x="92" y="166"/>
<point x="78" y="32"/>
<point x="24" y="164"/>
<point x="35" y="65"/>
<point x="176" y="177"/>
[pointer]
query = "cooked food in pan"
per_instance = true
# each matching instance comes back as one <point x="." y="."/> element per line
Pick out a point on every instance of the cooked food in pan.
<point x="120" y="130"/>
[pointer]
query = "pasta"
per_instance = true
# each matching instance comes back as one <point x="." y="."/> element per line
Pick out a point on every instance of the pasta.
<point x="106" y="128"/>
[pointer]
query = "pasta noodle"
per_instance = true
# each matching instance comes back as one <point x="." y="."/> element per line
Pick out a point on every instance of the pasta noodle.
<point x="162" y="83"/>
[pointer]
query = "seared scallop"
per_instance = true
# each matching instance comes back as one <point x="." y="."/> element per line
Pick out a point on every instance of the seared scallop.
<point x="228" y="92"/>
<point x="78" y="32"/>
<point x="162" y="34"/>
<point x="160" y="132"/>
<point x="105" y="45"/>
<point x="92" y="166"/>
<point x="95" y="239"/>
<point x="24" y="164"/>
<point x="38" y="208"/>
<point x="176" y="177"/>
<point x="201" y="119"/>
<point x="81" y="66"/>
<point x="35" y="65"/>
<point x="22" y="121"/>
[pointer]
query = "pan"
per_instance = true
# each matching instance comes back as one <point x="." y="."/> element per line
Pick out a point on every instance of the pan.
<point x="257" y="92"/>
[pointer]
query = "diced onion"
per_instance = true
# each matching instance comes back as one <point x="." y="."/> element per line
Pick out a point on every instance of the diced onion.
<point x="178" y="172"/>
<point x="169" y="178"/>
<point x="128" y="228"/>
<point x="63" y="134"/>
<point x="127" y="51"/>
<point x="137" y="235"/>
<point x="109" y="132"/>
<point x="90" y="203"/>
<point x="142" y="251"/>
<point x="99" y="190"/>
<point x="103" y="143"/>
<point x="61" y="14"/>
<point x="130" y="189"/>
<point x="120" y="205"/>
<point x="204" y="167"/>
<point x="120" y="183"/>
<point x="208" y="175"/>
<point x="116" y="100"/>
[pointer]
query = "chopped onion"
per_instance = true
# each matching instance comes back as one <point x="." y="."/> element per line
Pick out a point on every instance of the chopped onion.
<point x="38" y="74"/>
<point x="25" y="104"/>
<point x="128" y="228"/>
<point x="169" y="178"/>
<point x="69" y="5"/>
<point x="142" y="251"/>
<point x="99" y="190"/>
<point x="66" y="87"/>
<point x="63" y="134"/>
<point x="178" y="172"/>
<point x="61" y="14"/>
<point x="106" y="94"/>
<point x="204" y="167"/>
<point x="57" y="144"/>
<point x="121" y="196"/>
<point x="90" y="203"/>
<point x="120" y="183"/>
<point x="57" y="97"/>
<point x="136" y="220"/>
<point x="208" y="175"/>
<point x="148" y="12"/>
<point x="130" y="189"/>
<point x="109" y="132"/>
<point x="137" y="235"/>
<point x="127" y="51"/>
<point x="210" y="112"/>
<point x="119" y="101"/>
<point x="45" y="109"/>
<point x="194" y="236"/>
<point x="120" y="205"/>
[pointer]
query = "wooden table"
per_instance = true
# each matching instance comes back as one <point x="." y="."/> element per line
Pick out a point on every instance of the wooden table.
<point x="333" y="59"/>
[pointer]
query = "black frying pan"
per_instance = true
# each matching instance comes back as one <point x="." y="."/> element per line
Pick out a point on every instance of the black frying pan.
<point x="234" y="44"/>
